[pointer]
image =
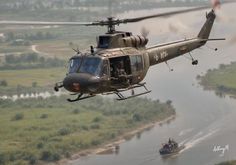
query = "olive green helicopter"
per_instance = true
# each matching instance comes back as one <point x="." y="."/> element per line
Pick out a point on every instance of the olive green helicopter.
<point x="120" y="61"/>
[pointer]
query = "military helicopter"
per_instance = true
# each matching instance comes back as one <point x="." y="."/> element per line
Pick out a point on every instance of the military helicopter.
<point x="120" y="61"/>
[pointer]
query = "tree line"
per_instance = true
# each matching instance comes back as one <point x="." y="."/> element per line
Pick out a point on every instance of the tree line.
<point x="30" y="36"/>
<point x="30" y="61"/>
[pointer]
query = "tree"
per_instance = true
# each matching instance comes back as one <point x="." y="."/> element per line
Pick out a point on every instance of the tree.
<point x="2" y="158"/>
<point x="169" y="102"/>
<point x="34" y="84"/>
<point x="10" y="36"/>
<point x="39" y="36"/>
<point x="33" y="57"/>
<point x="3" y="83"/>
<point x="137" y="117"/>
<point x="10" y="59"/>
<point x="18" y="116"/>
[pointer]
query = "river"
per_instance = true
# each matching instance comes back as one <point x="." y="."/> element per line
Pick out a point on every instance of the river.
<point x="203" y="119"/>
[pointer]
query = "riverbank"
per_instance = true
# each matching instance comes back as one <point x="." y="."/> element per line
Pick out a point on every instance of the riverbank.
<point x="233" y="162"/>
<point x="113" y="146"/>
<point x="41" y="131"/>
<point x="222" y="80"/>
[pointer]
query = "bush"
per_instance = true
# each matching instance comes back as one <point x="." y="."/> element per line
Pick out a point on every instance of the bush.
<point x="56" y="157"/>
<point x="137" y="117"/>
<point x="169" y="102"/>
<point x="64" y="131"/>
<point x="76" y="111"/>
<point x="44" y="116"/>
<point x="85" y="127"/>
<point x="18" y="116"/>
<point x="67" y="154"/>
<point x="48" y="155"/>
<point x="95" y="126"/>
<point x="95" y="142"/>
<point x="97" y="119"/>
<point x="32" y="159"/>
<point x="40" y="145"/>
<point x="3" y="83"/>
<point x="2" y="158"/>
<point x="34" y="84"/>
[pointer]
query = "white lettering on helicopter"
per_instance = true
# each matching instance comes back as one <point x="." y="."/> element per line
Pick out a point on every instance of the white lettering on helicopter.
<point x="162" y="56"/>
<point x="156" y="57"/>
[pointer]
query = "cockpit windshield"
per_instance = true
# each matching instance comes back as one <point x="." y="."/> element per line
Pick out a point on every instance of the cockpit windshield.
<point x="90" y="65"/>
<point x="74" y="65"/>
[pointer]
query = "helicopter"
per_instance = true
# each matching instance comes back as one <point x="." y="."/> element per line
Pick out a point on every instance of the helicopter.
<point x="120" y="61"/>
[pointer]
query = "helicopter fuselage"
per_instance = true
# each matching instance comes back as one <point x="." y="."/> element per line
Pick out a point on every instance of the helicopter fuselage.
<point x="106" y="70"/>
<point x="121" y="61"/>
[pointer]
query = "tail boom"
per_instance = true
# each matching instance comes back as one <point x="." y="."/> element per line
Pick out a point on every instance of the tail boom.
<point x="164" y="52"/>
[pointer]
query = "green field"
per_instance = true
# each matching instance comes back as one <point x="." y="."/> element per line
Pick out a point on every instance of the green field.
<point x="43" y="77"/>
<point x="228" y="163"/>
<point x="30" y="80"/>
<point x="34" y="131"/>
<point x="57" y="47"/>
<point x="222" y="80"/>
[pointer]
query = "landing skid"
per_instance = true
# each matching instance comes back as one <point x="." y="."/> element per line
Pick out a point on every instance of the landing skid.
<point x="80" y="97"/>
<point x="117" y="92"/>
<point x="131" y="88"/>
<point x="57" y="86"/>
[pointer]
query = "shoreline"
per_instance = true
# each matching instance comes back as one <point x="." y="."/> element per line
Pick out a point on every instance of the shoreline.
<point x="219" y="80"/>
<point x="112" y="146"/>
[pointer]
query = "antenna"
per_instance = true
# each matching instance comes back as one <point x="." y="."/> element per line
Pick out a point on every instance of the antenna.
<point x="76" y="50"/>
<point x="194" y="62"/>
<point x="215" y="49"/>
<point x="92" y="49"/>
<point x="74" y="47"/>
<point x="170" y="69"/>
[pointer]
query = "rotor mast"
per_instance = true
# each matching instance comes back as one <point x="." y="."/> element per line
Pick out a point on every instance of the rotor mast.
<point x="111" y="26"/>
<point x="110" y="23"/>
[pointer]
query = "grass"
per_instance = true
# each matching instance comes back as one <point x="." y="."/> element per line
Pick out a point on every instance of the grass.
<point x="233" y="162"/>
<point x="59" y="47"/>
<point x="43" y="77"/>
<point x="6" y="48"/>
<point x="68" y="128"/>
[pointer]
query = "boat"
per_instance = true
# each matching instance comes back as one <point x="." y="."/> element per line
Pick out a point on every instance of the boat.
<point x="170" y="148"/>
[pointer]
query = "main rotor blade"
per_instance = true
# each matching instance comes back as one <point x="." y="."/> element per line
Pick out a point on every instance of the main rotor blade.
<point x="45" y="23"/>
<point x="110" y="22"/>
<point x="130" y="20"/>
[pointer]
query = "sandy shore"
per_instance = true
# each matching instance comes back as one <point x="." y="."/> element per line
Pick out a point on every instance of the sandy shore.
<point x="113" y="146"/>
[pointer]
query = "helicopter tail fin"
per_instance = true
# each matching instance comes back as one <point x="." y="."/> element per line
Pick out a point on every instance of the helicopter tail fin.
<point x="206" y="29"/>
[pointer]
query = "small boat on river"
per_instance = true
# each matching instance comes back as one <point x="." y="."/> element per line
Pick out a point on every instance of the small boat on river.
<point x="170" y="148"/>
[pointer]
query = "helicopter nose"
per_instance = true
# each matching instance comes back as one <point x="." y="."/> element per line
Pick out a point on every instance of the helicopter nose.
<point x="80" y="82"/>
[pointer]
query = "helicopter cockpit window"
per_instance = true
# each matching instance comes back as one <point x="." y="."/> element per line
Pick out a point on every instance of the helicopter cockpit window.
<point x="104" y="41"/>
<point x="74" y="65"/>
<point x="91" y="65"/>
<point x="136" y="63"/>
<point x="105" y="68"/>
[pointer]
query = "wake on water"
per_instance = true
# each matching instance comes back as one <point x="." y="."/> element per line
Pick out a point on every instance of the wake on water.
<point x="188" y="143"/>
<point x="198" y="138"/>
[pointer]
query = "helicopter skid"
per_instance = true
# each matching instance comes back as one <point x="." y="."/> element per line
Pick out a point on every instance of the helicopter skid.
<point x="131" y="88"/>
<point x="121" y="97"/>
<point x="80" y="97"/>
